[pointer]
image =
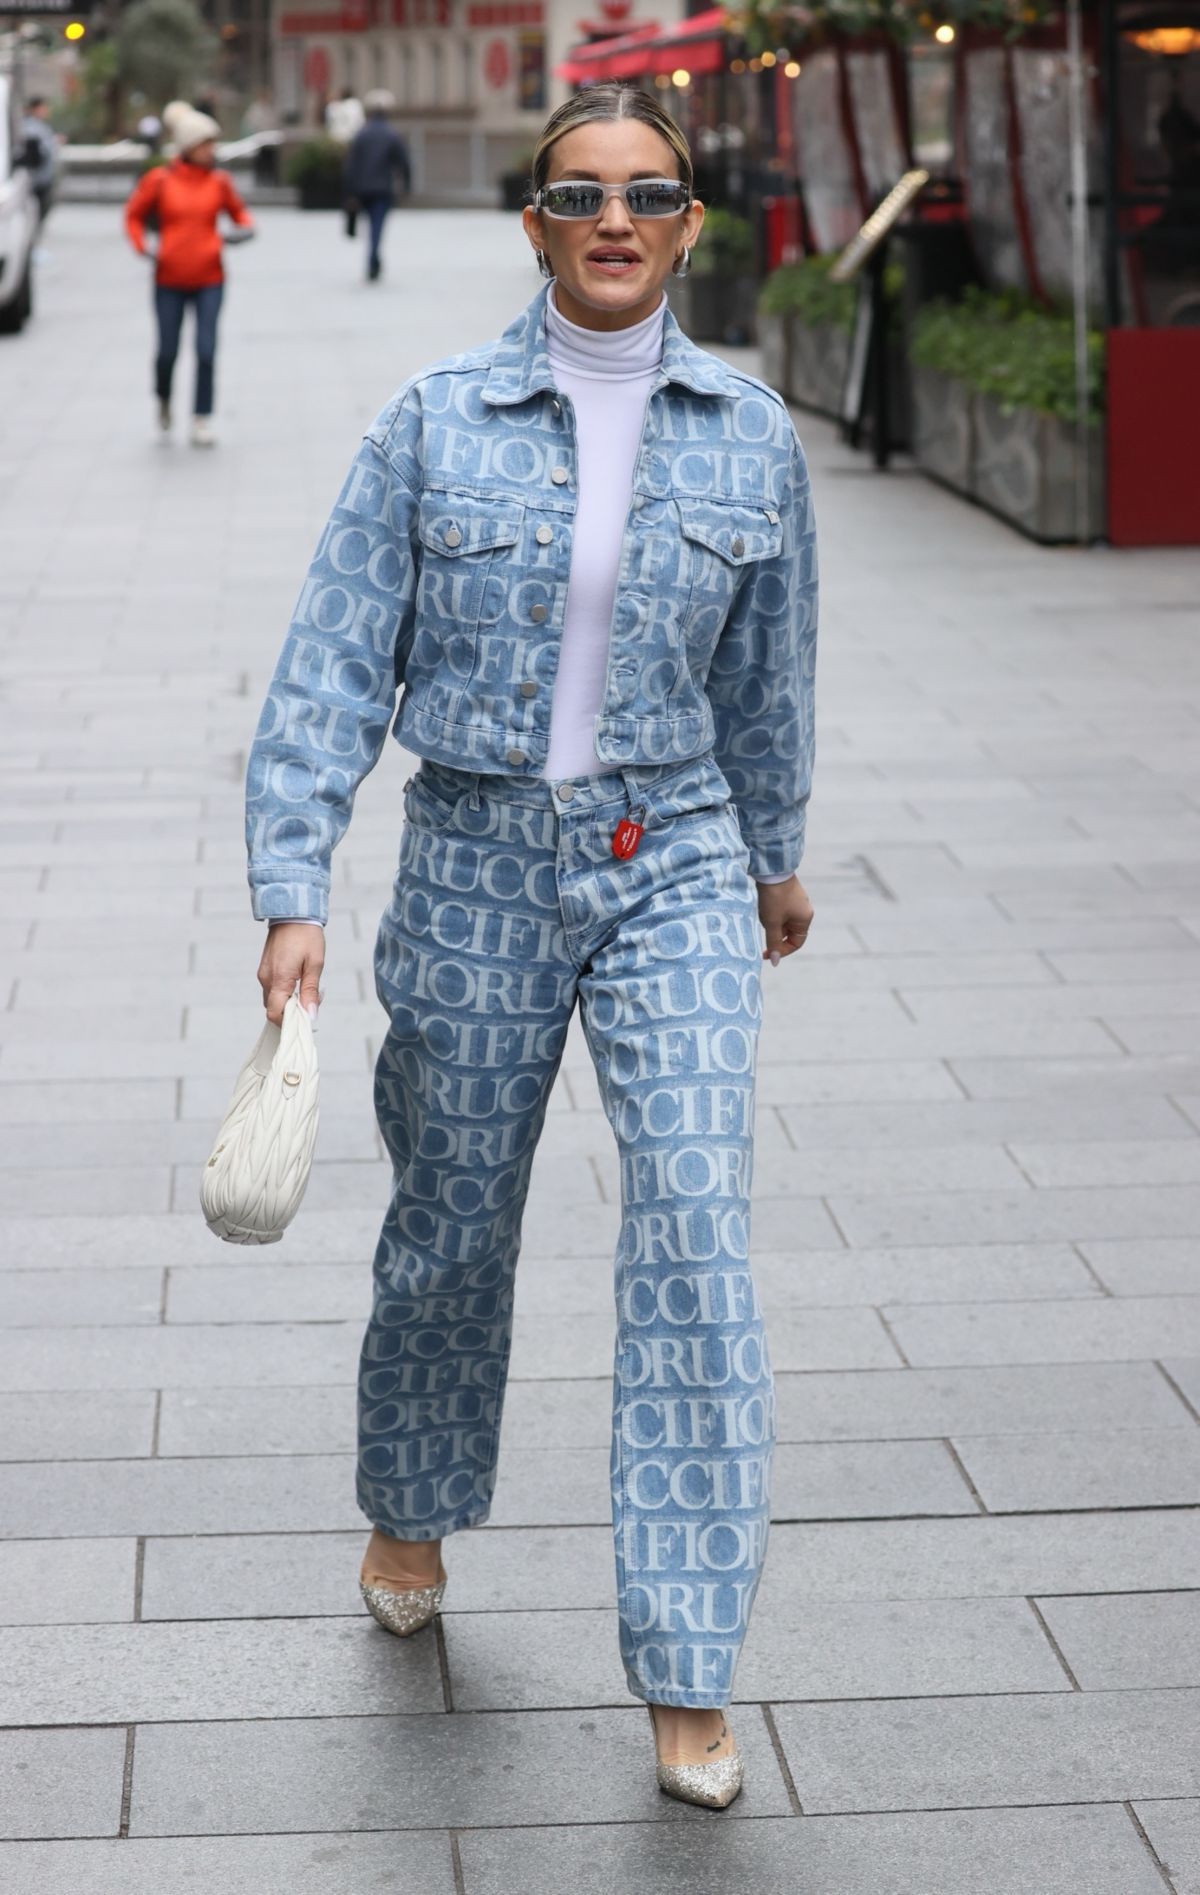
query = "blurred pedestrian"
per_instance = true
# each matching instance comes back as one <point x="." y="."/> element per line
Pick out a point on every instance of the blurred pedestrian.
<point x="41" y="148"/>
<point x="344" y="117"/>
<point x="260" y="116"/>
<point x="186" y="197"/>
<point x="375" y="162"/>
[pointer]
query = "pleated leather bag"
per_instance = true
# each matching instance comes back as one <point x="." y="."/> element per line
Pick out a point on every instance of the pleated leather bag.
<point x="252" y="1185"/>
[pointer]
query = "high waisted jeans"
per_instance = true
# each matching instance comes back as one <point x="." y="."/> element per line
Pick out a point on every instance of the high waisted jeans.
<point x="509" y="904"/>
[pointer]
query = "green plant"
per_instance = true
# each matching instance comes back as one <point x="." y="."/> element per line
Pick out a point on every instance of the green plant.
<point x="163" y="48"/>
<point x="793" y="23"/>
<point x="317" y="162"/>
<point x="1010" y="348"/>
<point x="726" y="246"/>
<point x="804" y="290"/>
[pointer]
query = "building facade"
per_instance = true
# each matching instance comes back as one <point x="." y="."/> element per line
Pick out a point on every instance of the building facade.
<point x="473" y="79"/>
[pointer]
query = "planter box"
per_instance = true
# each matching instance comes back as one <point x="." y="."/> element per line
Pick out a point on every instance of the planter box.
<point x="712" y="308"/>
<point x="943" y="429"/>
<point x="1025" y="470"/>
<point x="1020" y="466"/>
<point x="773" y="342"/>
<point x="816" y="359"/>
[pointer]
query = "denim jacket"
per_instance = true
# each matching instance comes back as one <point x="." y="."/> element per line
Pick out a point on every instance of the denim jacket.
<point x="442" y="574"/>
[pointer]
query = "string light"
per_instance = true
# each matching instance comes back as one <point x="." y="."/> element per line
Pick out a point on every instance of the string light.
<point x="681" y="77"/>
<point x="792" y="69"/>
<point x="945" y="34"/>
<point x="767" y="59"/>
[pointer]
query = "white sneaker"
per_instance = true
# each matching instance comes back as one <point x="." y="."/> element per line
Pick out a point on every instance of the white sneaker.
<point x="164" y="417"/>
<point x="202" y="431"/>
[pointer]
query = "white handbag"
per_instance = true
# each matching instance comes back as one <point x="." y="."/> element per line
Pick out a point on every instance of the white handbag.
<point x="252" y="1185"/>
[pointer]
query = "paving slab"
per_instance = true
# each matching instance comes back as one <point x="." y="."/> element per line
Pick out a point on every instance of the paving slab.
<point x="1124" y="1640"/>
<point x="67" y="1581"/>
<point x="60" y="1782"/>
<point x="962" y="1852"/>
<point x="51" y="1427"/>
<point x="1174" y="1832"/>
<point x="1108" y="1329"/>
<point x="1028" y="1473"/>
<point x="366" y="1773"/>
<point x="1073" y="1747"/>
<point x="402" y="1863"/>
<point x="281" y="1493"/>
<point x="911" y="1648"/>
<point x="249" y="1668"/>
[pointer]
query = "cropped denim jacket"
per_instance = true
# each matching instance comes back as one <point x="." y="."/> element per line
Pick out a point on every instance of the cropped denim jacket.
<point x="442" y="575"/>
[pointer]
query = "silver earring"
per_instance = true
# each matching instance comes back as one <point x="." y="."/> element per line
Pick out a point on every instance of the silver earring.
<point x="682" y="264"/>
<point x="543" y="266"/>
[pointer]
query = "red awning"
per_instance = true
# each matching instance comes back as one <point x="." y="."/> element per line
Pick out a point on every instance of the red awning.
<point x="695" y="45"/>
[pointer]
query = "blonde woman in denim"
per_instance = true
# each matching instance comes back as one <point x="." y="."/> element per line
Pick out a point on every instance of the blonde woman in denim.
<point x="583" y="556"/>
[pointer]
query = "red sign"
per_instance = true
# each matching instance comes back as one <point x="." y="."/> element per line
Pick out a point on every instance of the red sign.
<point x="317" y="73"/>
<point x="496" y="64"/>
<point x="495" y="13"/>
<point x="420" y="12"/>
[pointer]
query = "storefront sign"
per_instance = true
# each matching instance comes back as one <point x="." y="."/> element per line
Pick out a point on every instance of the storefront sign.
<point x="496" y="64"/>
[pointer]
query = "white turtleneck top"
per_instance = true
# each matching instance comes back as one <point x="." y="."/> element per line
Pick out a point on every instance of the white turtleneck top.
<point x="608" y="375"/>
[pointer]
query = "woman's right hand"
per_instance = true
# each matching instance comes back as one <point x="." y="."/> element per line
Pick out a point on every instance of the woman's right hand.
<point x="294" y="952"/>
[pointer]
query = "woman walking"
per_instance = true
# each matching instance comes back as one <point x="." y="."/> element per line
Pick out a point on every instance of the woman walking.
<point x="586" y="554"/>
<point x="185" y="198"/>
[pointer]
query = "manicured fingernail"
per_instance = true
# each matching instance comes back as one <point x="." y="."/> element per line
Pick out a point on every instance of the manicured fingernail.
<point x="775" y="957"/>
<point x="311" y="1011"/>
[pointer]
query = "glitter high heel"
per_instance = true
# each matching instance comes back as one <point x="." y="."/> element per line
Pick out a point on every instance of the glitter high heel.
<point x="712" y="1785"/>
<point x="403" y="1612"/>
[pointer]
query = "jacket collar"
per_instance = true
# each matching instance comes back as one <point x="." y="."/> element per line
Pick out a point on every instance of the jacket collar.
<point x="521" y="363"/>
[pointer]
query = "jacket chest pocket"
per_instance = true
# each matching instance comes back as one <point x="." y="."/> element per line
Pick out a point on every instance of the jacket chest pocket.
<point x="464" y="543"/>
<point x="723" y="543"/>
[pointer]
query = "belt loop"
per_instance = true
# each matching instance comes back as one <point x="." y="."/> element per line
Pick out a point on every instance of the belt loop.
<point x="473" y="800"/>
<point x="633" y="788"/>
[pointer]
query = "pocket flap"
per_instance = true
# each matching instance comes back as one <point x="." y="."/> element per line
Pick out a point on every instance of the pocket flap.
<point x="452" y="525"/>
<point x="738" y="533"/>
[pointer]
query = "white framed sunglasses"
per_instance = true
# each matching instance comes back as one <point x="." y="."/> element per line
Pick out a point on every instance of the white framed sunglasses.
<point x="644" y="197"/>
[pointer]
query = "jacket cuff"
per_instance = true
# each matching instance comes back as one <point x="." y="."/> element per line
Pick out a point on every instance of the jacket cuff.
<point x="289" y="901"/>
<point x="775" y="878"/>
<point x="776" y="856"/>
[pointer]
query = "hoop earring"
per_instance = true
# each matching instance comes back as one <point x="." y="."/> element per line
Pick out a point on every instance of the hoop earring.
<point x="543" y="266"/>
<point x="682" y="264"/>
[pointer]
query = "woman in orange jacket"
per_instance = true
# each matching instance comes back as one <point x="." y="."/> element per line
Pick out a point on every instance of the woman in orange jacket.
<point x="186" y="197"/>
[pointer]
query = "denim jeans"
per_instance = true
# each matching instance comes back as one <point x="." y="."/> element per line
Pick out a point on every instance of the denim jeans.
<point x="169" y="306"/>
<point x="509" y="906"/>
<point x="377" y="207"/>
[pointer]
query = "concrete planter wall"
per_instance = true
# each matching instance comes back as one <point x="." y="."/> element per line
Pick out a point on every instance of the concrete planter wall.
<point x="817" y="359"/>
<point x="774" y="351"/>
<point x="1026" y="466"/>
<point x="1021" y="466"/>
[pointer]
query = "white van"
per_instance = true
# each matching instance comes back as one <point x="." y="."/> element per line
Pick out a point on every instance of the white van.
<point x="18" y="217"/>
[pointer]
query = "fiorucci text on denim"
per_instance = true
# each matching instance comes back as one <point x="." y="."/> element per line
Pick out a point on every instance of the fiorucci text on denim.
<point x="443" y="570"/>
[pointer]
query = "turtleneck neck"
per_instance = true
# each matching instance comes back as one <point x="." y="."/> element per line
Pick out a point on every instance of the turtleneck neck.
<point x="604" y="354"/>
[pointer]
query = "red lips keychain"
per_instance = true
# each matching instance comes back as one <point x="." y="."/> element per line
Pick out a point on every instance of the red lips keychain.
<point x="628" y="833"/>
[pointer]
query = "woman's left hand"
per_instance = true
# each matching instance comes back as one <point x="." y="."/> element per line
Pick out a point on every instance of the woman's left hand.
<point x="786" y="914"/>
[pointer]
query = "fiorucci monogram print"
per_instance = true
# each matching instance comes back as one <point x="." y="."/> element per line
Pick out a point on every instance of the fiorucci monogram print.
<point x="444" y="567"/>
<point x="442" y="577"/>
<point x="509" y="907"/>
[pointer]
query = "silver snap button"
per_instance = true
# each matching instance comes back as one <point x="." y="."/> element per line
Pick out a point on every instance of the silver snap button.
<point x="772" y="517"/>
<point x="529" y="688"/>
<point x="559" y="475"/>
<point x="452" y="536"/>
<point x="556" y="407"/>
<point x="739" y="547"/>
<point x="544" y="535"/>
<point x="515" y="756"/>
<point x="537" y="613"/>
<point x="566" y="791"/>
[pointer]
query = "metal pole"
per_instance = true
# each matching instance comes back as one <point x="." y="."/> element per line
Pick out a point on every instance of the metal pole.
<point x="1077" y="134"/>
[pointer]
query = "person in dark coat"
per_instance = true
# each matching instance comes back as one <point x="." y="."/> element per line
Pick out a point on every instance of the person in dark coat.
<point x="376" y="162"/>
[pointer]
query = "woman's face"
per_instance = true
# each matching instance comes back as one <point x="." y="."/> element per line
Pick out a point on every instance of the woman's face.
<point x="205" y="154"/>
<point x="610" y="268"/>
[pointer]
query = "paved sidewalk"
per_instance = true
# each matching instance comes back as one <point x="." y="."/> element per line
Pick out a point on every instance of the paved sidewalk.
<point x="975" y="1664"/>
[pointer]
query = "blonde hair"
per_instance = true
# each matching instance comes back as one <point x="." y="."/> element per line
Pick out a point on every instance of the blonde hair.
<point x="607" y="102"/>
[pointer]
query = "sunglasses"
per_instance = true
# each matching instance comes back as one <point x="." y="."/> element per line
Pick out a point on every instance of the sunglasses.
<point x="644" y="197"/>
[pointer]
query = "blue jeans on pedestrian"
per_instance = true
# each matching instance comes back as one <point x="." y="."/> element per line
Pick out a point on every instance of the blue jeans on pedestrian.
<point x="377" y="206"/>
<point x="509" y="907"/>
<point x="169" y="305"/>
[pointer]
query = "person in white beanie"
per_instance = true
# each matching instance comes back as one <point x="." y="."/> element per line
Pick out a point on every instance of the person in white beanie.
<point x="186" y="197"/>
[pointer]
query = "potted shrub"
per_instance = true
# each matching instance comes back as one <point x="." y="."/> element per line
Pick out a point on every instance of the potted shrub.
<point x="515" y="182"/>
<point x="715" y="302"/>
<point x="805" y="323"/>
<point x="315" y="168"/>
<point x="994" y="410"/>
